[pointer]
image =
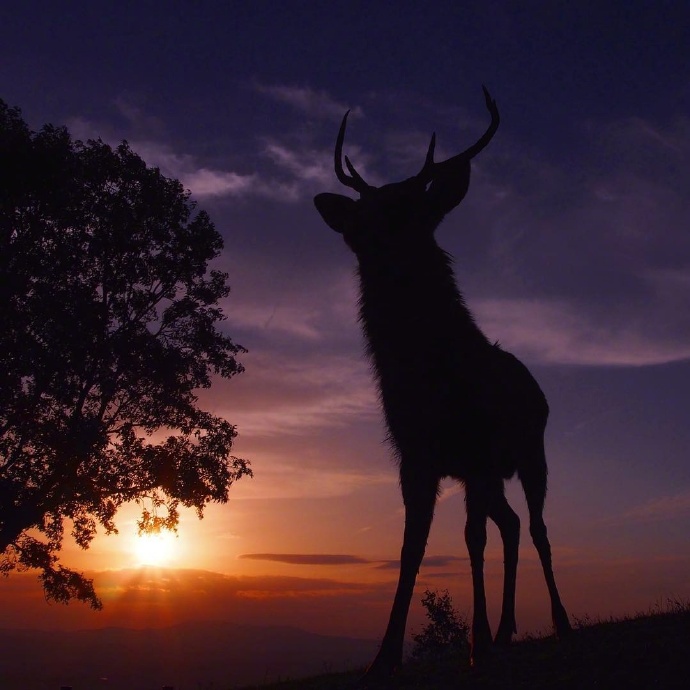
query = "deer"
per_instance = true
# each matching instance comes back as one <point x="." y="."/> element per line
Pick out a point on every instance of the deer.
<point x="455" y="404"/>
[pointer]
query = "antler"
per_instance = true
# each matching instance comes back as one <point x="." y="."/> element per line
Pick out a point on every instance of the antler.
<point x="426" y="173"/>
<point x="354" y="180"/>
<point x="430" y="169"/>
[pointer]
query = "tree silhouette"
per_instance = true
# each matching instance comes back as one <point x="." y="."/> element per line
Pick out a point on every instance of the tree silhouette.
<point x="110" y="324"/>
<point x="446" y="632"/>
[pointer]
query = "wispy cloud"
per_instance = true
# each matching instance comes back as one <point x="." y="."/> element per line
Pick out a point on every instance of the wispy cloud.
<point x="306" y="559"/>
<point x="309" y="170"/>
<point x="303" y="164"/>
<point x="429" y="562"/>
<point x="206" y="182"/>
<point x="643" y="138"/>
<point x="340" y="409"/>
<point x="555" y="332"/>
<point x="305" y="99"/>
<point x="202" y="181"/>
<point x="346" y="559"/>
<point x="210" y="183"/>
<point x="588" y="269"/>
<point x="155" y="597"/>
<point x="288" y="395"/>
<point x="284" y="481"/>
<point x="668" y="507"/>
<point x="278" y="319"/>
<point x="311" y="310"/>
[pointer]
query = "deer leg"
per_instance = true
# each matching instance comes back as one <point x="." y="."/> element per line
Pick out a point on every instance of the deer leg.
<point x="534" y="483"/>
<point x="477" y="502"/>
<point x="508" y="524"/>
<point x="559" y="616"/>
<point x="419" y="495"/>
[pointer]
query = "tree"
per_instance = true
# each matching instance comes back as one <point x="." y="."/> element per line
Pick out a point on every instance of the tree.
<point x="109" y="327"/>
<point x="447" y="631"/>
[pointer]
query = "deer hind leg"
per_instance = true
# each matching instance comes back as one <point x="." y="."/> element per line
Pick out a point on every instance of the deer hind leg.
<point x="533" y="478"/>
<point x="419" y="496"/>
<point x="477" y="499"/>
<point x="508" y="524"/>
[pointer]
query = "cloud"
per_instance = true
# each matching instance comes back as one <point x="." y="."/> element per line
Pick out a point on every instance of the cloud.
<point x="285" y="319"/>
<point x="205" y="183"/>
<point x="202" y="181"/>
<point x="637" y="139"/>
<point x="309" y="165"/>
<point x="337" y="559"/>
<point x="668" y="507"/>
<point x="448" y="491"/>
<point x="312" y="310"/>
<point x="589" y="264"/>
<point x="162" y="597"/>
<point x="558" y="332"/>
<point x="306" y="559"/>
<point x="428" y="562"/>
<point x="284" y="394"/>
<point x="279" y="481"/>
<point x="309" y="170"/>
<point x="138" y="119"/>
<point x="337" y="408"/>
<point x="304" y="99"/>
<point x="299" y="172"/>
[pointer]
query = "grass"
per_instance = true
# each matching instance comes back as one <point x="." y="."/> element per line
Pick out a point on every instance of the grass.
<point x="642" y="652"/>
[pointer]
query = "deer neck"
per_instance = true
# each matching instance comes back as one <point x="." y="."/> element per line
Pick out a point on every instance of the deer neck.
<point x="414" y="310"/>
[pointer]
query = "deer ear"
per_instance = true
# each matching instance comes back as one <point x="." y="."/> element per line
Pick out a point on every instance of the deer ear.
<point x="335" y="209"/>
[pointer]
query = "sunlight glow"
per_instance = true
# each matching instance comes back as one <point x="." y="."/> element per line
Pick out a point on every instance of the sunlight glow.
<point x="155" y="549"/>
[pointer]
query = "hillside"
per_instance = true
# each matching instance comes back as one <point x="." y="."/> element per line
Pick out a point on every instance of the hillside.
<point x="641" y="653"/>
<point x="186" y="656"/>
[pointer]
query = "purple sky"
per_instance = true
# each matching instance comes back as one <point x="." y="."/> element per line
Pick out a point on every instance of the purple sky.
<point x="572" y="247"/>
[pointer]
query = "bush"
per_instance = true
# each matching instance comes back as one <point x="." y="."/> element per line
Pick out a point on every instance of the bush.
<point x="447" y="631"/>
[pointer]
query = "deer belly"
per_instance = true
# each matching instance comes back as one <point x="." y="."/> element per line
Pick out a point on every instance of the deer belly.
<point x="451" y="436"/>
<point x="458" y="435"/>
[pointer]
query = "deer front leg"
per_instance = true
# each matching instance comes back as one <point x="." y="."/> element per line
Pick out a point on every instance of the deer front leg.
<point x="419" y="495"/>
<point x="477" y="501"/>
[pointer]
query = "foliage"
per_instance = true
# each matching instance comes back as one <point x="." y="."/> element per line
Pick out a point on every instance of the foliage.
<point x="447" y="631"/>
<point x="110" y="325"/>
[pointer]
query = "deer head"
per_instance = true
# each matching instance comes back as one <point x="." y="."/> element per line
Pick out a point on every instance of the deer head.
<point x="400" y="210"/>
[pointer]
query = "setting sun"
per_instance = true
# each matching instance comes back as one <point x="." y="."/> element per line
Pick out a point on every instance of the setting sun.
<point x="155" y="549"/>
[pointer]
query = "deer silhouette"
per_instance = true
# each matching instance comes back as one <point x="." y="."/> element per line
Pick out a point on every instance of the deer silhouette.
<point x="455" y="404"/>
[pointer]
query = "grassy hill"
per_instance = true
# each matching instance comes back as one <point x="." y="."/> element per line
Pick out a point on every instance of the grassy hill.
<point x="642" y="652"/>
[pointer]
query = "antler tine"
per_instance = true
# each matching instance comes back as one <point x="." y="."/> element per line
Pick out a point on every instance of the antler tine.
<point x="361" y="185"/>
<point x="354" y="180"/>
<point x="339" y="172"/>
<point x="491" y="130"/>
<point x="482" y="142"/>
<point x="427" y="171"/>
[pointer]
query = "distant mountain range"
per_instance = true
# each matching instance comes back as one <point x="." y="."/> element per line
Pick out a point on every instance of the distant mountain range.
<point x="189" y="656"/>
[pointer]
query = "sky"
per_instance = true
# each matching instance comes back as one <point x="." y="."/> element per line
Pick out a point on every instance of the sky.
<point x="572" y="248"/>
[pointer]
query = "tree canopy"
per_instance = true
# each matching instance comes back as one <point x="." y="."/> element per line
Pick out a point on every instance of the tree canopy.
<point x="110" y="325"/>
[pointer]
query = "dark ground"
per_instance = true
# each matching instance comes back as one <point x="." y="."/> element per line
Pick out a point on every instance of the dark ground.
<point x="640" y="653"/>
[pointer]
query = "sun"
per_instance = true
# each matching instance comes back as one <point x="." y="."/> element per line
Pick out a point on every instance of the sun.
<point x="155" y="549"/>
